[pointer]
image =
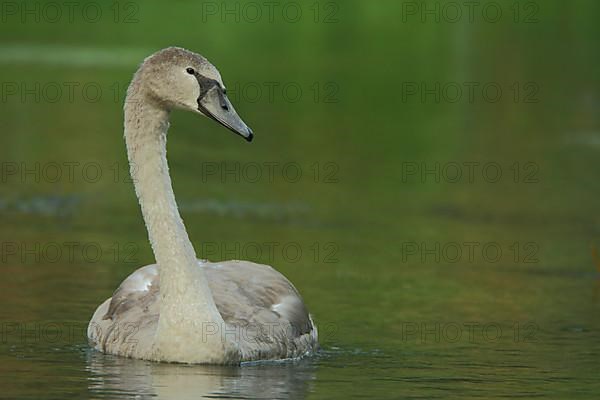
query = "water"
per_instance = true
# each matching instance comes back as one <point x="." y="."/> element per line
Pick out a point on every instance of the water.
<point x="424" y="284"/>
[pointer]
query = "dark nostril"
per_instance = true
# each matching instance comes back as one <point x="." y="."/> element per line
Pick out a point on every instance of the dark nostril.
<point x="225" y="107"/>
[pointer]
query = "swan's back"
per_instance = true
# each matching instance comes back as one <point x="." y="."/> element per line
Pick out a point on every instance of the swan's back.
<point x="263" y="312"/>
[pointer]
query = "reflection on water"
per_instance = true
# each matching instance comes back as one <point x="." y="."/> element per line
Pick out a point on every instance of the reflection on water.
<point x="49" y="205"/>
<point x="245" y="210"/>
<point x="81" y="56"/>
<point x="114" y="376"/>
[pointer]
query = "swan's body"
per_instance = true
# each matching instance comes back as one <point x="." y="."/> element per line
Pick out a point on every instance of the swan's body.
<point x="182" y="309"/>
<point x="247" y="295"/>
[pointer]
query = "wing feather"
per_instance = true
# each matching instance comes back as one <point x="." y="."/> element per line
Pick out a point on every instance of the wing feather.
<point x="262" y="310"/>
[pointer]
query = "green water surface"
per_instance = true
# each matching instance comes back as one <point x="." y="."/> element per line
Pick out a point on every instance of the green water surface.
<point x="443" y="239"/>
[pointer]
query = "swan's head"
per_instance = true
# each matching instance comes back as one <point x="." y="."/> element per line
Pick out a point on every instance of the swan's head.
<point x="179" y="78"/>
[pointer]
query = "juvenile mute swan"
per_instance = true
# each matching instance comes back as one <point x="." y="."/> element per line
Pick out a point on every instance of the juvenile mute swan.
<point x="182" y="309"/>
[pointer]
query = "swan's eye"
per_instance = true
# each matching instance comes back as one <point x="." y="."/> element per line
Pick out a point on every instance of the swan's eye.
<point x="191" y="71"/>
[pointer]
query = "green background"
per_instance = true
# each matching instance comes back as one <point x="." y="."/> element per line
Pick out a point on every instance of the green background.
<point x="357" y="109"/>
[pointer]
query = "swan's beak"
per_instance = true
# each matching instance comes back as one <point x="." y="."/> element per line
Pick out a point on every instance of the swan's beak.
<point x="217" y="106"/>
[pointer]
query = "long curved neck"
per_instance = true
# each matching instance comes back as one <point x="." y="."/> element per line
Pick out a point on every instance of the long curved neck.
<point x="184" y="291"/>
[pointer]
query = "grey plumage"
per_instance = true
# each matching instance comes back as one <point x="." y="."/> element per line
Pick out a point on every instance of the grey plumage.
<point x="263" y="312"/>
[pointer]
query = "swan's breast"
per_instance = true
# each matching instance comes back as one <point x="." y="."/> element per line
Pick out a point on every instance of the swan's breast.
<point x="262" y="310"/>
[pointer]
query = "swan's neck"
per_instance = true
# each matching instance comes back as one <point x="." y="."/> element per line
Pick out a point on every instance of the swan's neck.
<point x="186" y="303"/>
<point x="146" y="136"/>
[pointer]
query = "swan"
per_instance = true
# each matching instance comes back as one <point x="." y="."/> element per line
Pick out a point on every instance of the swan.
<point x="182" y="309"/>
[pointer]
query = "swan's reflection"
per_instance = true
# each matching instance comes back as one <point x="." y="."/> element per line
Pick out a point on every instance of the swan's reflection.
<point x="120" y="377"/>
